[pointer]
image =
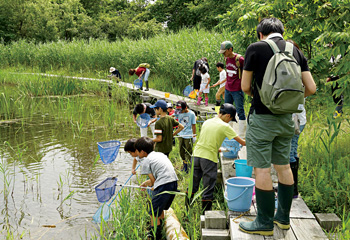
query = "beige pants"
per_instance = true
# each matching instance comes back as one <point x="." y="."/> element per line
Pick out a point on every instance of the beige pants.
<point x="221" y="91"/>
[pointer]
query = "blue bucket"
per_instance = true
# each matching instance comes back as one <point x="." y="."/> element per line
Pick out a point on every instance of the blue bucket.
<point x="239" y="194"/>
<point x="242" y="169"/>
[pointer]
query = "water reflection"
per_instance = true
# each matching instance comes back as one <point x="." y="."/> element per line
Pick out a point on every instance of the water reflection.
<point x="49" y="165"/>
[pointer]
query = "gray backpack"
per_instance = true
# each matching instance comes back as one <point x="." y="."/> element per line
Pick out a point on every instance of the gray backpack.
<point x="282" y="89"/>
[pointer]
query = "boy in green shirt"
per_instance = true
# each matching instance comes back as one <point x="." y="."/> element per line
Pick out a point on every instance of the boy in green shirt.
<point x="213" y="133"/>
<point x="164" y="128"/>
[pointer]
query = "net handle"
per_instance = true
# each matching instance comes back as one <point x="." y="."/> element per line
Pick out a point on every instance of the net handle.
<point x="123" y="186"/>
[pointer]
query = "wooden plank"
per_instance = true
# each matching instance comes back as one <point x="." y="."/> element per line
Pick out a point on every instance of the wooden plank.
<point x="237" y="234"/>
<point x="307" y="229"/>
<point x="277" y="232"/>
<point x="300" y="210"/>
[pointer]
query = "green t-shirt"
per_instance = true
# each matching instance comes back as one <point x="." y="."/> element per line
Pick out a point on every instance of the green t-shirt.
<point x="213" y="133"/>
<point x="164" y="126"/>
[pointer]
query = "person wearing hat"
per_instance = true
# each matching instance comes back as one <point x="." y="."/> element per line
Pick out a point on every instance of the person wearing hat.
<point x="115" y="74"/>
<point x="205" y="153"/>
<point x="170" y="109"/>
<point x="164" y="128"/>
<point x="188" y="135"/>
<point x="233" y="90"/>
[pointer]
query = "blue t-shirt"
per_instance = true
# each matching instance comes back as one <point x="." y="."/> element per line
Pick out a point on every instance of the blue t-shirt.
<point x="187" y="119"/>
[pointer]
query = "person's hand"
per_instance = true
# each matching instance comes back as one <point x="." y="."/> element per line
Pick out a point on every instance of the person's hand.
<point x="194" y="139"/>
<point x="328" y="79"/>
<point x="133" y="171"/>
<point x="143" y="185"/>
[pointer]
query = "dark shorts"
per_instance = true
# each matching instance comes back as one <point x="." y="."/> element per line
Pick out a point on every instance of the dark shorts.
<point x="161" y="202"/>
<point x="197" y="82"/>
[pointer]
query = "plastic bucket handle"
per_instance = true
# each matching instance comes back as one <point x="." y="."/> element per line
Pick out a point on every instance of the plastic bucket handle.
<point x="237" y="196"/>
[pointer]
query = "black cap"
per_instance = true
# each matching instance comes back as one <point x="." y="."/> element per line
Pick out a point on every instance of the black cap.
<point x="228" y="108"/>
<point x="181" y="105"/>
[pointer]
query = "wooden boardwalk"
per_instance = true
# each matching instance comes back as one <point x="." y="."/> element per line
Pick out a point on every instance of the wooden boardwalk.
<point x="304" y="225"/>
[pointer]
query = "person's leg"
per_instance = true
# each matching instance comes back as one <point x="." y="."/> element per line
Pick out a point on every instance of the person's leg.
<point x="260" y="135"/>
<point x="209" y="181"/>
<point x="280" y="159"/>
<point x="143" y="132"/>
<point x="285" y="196"/>
<point x="182" y="151"/>
<point x="228" y="97"/>
<point x="145" y="77"/>
<point x="238" y="98"/>
<point x="206" y="99"/>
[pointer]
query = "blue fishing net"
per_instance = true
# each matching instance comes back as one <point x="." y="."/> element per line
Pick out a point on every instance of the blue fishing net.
<point x="106" y="189"/>
<point x="187" y="90"/>
<point x="138" y="83"/>
<point x="108" y="150"/>
<point x="142" y="120"/>
<point x="232" y="146"/>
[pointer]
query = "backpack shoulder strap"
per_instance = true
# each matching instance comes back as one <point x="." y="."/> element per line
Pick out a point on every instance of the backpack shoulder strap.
<point x="237" y="59"/>
<point x="289" y="48"/>
<point x="273" y="45"/>
<point x="238" y="65"/>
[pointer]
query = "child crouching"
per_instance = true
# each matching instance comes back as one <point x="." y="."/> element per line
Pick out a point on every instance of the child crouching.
<point x="162" y="177"/>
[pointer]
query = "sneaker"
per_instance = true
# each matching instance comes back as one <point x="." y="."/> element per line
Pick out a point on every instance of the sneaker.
<point x="146" y="89"/>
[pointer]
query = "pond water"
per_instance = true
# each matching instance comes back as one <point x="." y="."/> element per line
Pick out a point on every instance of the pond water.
<point x="49" y="164"/>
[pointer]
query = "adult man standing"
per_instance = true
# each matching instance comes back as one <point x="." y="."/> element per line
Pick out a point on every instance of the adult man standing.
<point x="233" y="90"/>
<point x="269" y="135"/>
<point x="196" y="74"/>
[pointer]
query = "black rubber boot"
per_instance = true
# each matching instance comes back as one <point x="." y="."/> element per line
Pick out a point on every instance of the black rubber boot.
<point x="295" y="166"/>
<point x="206" y="205"/>
<point x="263" y="223"/>
<point x="146" y="86"/>
<point x="159" y="234"/>
<point x="285" y="197"/>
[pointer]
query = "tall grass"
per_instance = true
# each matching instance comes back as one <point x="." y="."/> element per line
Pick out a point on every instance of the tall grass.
<point x="171" y="55"/>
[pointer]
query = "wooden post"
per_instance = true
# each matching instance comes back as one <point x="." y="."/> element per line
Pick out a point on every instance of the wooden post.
<point x="173" y="228"/>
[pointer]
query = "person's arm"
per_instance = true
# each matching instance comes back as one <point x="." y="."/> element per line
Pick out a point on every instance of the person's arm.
<point x="158" y="138"/>
<point x="149" y="182"/>
<point x="134" y="162"/>
<point x="134" y="117"/>
<point x="240" y="140"/>
<point x="309" y="83"/>
<point x="206" y="86"/>
<point x="246" y="84"/>
<point x="193" y="71"/>
<point x="179" y="129"/>
<point x="152" y="120"/>
<point x="194" y="129"/>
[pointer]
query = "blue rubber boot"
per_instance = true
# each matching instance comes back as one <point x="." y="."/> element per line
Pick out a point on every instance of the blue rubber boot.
<point x="285" y="197"/>
<point x="263" y="224"/>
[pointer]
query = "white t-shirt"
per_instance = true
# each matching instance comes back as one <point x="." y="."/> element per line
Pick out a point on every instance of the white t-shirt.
<point x="222" y="77"/>
<point x="205" y="78"/>
<point x="160" y="166"/>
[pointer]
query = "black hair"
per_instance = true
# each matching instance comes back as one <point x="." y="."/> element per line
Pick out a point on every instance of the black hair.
<point x="139" y="108"/>
<point x="202" y="68"/>
<point x="130" y="145"/>
<point x="269" y="25"/>
<point x="145" y="144"/>
<point x="220" y="64"/>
